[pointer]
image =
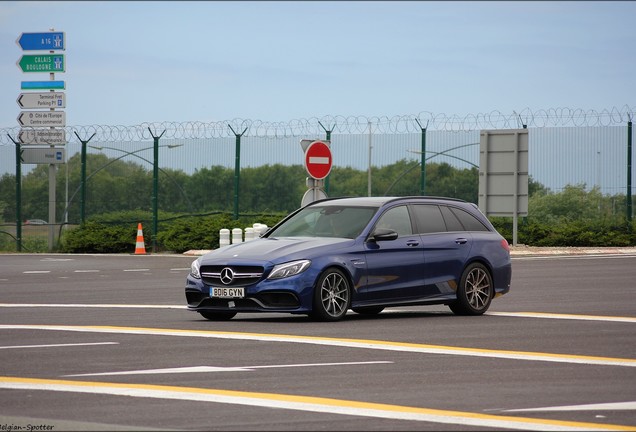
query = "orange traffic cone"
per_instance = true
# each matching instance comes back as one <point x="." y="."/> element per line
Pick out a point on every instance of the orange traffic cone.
<point x="140" y="247"/>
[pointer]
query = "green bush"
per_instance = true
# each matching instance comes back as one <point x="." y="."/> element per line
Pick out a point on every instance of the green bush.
<point x="565" y="232"/>
<point x="99" y="237"/>
<point x="203" y="232"/>
<point x="117" y="232"/>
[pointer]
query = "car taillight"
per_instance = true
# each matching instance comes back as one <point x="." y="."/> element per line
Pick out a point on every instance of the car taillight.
<point x="505" y="245"/>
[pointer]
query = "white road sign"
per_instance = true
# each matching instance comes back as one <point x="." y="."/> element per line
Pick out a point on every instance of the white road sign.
<point x="43" y="155"/>
<point x="42" y="118"/>
<point x="42" y="136"/>
<point x="42" y="100"/>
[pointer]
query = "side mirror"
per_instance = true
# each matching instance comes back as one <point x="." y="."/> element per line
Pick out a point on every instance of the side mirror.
<point x="383" y="234"/>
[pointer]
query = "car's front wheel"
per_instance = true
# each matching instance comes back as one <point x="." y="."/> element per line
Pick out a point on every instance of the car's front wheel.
<point x="475" y="291"/>
<point x="332" y="296"/>
<point x="217" y="316"/>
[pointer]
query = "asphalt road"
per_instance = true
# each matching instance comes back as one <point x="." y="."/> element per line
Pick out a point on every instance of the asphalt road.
<point x="105" y="343"/>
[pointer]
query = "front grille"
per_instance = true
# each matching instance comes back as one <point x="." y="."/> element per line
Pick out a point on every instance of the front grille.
<point x="241" y="275"/>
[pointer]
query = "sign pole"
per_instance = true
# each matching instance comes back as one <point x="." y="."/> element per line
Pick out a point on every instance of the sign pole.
<point x="52" y="185"/>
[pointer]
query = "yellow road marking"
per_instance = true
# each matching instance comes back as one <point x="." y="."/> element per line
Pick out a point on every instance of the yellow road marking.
<point x="306" y="403"/>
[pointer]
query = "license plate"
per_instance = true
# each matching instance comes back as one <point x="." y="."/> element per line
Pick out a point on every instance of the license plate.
<point x="227" y="292"/>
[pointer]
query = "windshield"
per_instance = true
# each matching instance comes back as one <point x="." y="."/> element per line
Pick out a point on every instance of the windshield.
<point x="326" y="221"/>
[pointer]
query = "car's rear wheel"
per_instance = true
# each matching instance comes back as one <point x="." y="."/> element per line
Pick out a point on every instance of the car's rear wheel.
<point x="217" y="316"/>
<point x="475" y="291"/>
<point x="368" y="310"/>
<point x="332" y="296"/>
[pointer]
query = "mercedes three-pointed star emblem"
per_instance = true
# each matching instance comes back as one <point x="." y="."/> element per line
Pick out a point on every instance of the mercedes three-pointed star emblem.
<point x="227" y="276"/>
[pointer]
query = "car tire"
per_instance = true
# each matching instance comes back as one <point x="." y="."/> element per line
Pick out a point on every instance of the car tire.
<point x="475" y="291"/>
<point x="332" y="296"/>
<point x="369" y="310"/>
<point x="217" y="316"/>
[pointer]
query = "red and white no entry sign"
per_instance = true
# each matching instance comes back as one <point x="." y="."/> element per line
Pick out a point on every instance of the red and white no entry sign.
<point x="318" y="160"/>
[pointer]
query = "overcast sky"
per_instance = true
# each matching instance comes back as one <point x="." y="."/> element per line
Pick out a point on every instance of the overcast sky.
<point x="134" y="62"/>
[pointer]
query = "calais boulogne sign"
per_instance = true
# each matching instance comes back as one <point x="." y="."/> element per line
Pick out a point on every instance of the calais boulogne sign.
<point x="42" y="63"/>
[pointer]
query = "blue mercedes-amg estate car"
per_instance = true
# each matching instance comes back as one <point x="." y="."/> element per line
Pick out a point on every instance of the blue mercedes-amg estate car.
<point x="363" y="254"/>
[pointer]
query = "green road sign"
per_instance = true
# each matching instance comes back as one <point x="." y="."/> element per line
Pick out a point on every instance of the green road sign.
<point x="42" y="63"/>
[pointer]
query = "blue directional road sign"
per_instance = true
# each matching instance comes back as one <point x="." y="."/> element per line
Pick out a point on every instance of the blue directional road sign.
<point x="43" y="85"/>
<point x="50" y="41"/>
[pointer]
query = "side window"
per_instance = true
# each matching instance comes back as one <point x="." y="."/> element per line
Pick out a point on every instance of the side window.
<point x="396" y="219"/>
<point x="429" y="219"/>
<point x="452" y="223"/>
<point x="470" y="222"/>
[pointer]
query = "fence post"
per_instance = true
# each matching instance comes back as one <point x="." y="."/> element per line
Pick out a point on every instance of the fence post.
<point x="237" y="169"/>
<point x="328" y="138"/>
<point x="83" y="179"/>
<point x="629" y="172"/>
<point x="423" y="159"/>
<point x="155" y="188"/>
<point x="18" y="194"/>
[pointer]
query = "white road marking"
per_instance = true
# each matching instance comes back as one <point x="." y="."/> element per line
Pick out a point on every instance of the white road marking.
<point x="615" y="406"/>
<point x="36" y="271"/>
<point x="564" y="316"/>
<point x="136" y="270"/>
<point x="58" y="345"/>
<point x="86" y="271"/>
<point x="574" y="257"/>
<point x="201" y="369"/>
<point x="304" y="403"/>
<point x="341" y="342"/>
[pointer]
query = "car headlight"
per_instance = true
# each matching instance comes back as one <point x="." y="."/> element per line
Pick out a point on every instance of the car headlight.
<point x="289" y="269"/>
<point x="194" y="269"/>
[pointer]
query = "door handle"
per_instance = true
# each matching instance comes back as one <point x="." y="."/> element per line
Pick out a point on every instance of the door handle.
<point x="412" y="243"/>
<point x="461" y="241"/>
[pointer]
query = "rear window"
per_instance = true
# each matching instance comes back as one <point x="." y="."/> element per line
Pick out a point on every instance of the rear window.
<point x="429" y="219"/>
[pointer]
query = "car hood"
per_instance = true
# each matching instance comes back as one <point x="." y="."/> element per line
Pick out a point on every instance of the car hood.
<point x="275" y="250"/>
